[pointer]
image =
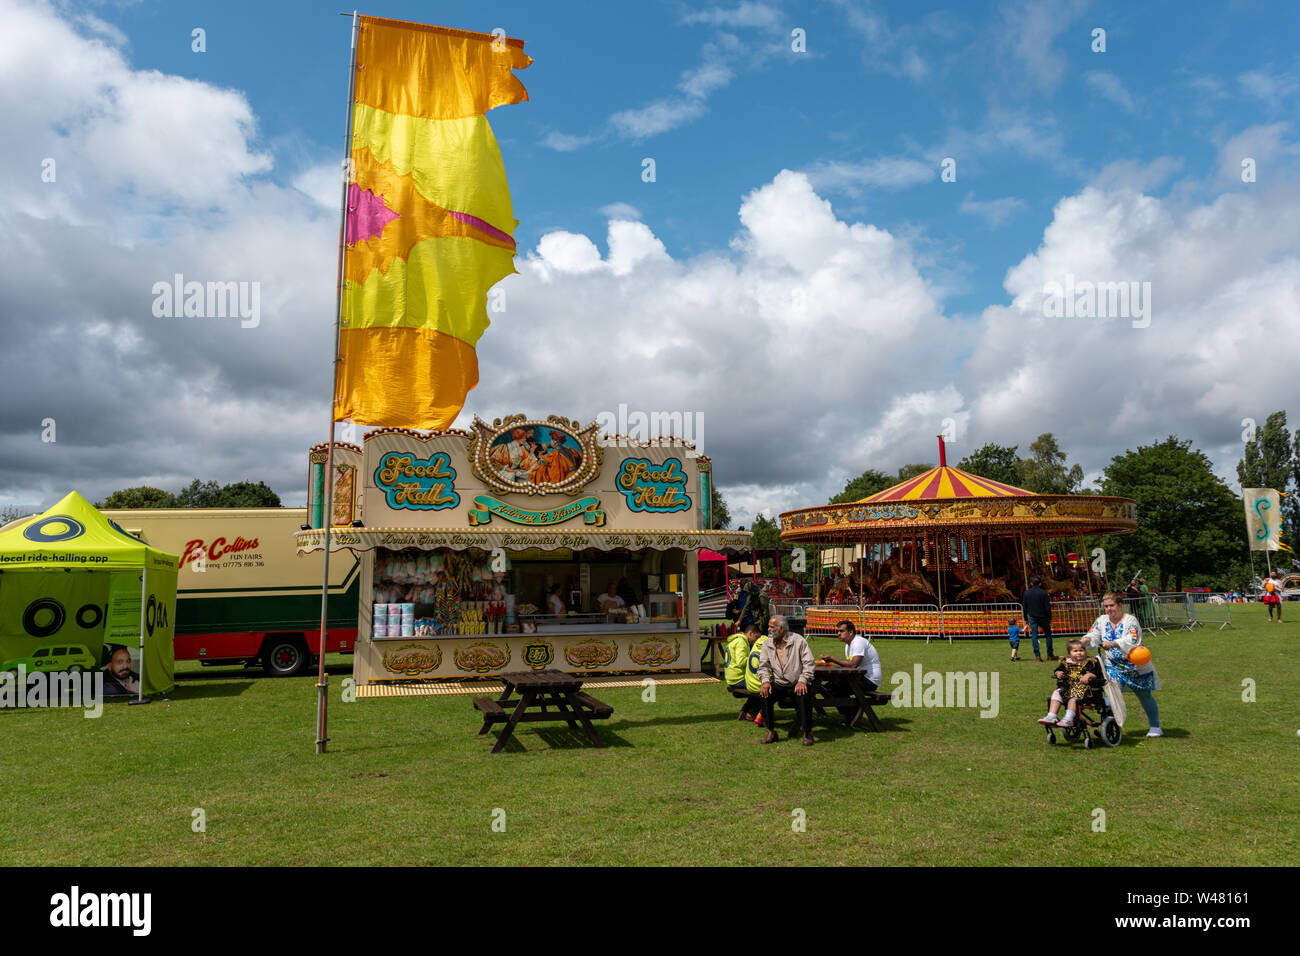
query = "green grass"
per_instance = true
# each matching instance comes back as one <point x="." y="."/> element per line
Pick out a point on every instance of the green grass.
<point x="408" y="781"/>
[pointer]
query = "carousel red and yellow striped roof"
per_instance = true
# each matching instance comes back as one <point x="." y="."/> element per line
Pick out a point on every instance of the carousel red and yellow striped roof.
<point x="946" y="482"/>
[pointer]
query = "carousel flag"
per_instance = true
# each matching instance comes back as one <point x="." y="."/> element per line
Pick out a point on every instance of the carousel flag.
<point x="429" y="226"/>
<point x="1263" y="518"/>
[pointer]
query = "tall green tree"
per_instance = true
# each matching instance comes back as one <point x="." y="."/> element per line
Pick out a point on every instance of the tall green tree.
<point x="1270" y="460"/>
<point x="994" y="462"/>
<point x="199" y="494"/>
<point x="766" y="531"/>
<point x="863" y="486"/>
<point x="1189" y="520"/>
<point x="141" y="496"/>
<point x="247" y="494"/>
<point x="1266" y="462"/>
<point x="1044" y="470"/>
<point x="721" y="513"/>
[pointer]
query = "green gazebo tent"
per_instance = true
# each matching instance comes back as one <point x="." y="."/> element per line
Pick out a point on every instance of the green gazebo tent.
<point x="72" y="583"/>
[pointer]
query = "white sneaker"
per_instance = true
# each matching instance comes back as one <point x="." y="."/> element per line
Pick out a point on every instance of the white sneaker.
<point x="1068" y="721"/>
<point x="1049" y="719"/>
<point x="1155" y="732"/>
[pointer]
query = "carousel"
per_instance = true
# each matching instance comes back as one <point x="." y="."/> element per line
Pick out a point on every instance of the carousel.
<point x="948" y="552"/>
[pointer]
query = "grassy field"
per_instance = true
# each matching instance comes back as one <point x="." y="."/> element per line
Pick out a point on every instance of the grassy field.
<point x="408" y="781"/>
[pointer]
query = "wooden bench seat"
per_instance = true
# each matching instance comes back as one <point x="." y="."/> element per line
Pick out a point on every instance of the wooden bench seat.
<point x="596" y="708"/>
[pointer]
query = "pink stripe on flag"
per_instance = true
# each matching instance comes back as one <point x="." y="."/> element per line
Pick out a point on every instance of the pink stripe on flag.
<point x="478" y="223"/>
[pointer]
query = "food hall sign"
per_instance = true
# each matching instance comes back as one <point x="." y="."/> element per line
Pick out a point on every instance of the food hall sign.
<point x="419" y="484"/>
<point x="654" y="488"/>
<point x="486" y="506"/>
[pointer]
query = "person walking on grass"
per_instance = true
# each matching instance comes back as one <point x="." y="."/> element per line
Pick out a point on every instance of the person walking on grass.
<point x="1013" y="635"/>
<point x="1273" y="596"/>
<point x="1117" y="633"/>
<point x="1038" y="612"/>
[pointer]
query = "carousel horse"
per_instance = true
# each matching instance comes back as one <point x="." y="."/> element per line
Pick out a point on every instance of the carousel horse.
<point x="903" y="581"/>
<point x="977" y="584"/>
<point x="1067" y="587"/>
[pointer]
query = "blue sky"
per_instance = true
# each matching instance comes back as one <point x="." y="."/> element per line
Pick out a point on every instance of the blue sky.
<point x="1015" y="95"/>
<point x="798" y="272"/>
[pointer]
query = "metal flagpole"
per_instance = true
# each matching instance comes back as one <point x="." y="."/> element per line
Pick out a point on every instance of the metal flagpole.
<point x="322" y="680"/>
<point x="144" y="591"/>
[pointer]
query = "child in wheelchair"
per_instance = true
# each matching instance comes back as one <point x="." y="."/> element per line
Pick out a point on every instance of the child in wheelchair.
<point x="1079" y="683"/>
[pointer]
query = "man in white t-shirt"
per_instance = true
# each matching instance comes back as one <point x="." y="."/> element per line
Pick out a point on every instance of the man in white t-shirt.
<point x="609" y="599"/>
<point x="860" y="654"/>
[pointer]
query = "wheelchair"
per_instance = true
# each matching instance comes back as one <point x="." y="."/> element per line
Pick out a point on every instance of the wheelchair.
<point x="1092" y="722"/>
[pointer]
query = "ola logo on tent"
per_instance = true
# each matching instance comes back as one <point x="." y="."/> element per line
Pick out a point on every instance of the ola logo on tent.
<point x="61" y="528"/>
<point x="53" y="617"/>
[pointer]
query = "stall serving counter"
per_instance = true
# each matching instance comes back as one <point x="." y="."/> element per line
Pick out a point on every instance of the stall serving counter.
<point x="526" y="543"/>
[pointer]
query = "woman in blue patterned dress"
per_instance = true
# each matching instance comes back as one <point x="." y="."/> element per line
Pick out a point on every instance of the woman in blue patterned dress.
<point x="1117" y="633"/>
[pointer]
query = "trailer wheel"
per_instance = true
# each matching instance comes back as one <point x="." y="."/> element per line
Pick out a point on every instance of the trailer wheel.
<point x="284" y="656"/>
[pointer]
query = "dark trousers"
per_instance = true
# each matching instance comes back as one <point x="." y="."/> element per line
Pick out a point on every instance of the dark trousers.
<point x="801" y="707"/>
<point x="1035" y="623"/>
<point x="851" y="711"/>
<point x="750" y="707"/>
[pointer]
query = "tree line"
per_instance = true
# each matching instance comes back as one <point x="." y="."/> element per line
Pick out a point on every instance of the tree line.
<point x="197" y="494"/>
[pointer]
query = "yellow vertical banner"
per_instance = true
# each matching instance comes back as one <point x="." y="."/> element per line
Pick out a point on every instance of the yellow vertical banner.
<point x="429" y="226"/>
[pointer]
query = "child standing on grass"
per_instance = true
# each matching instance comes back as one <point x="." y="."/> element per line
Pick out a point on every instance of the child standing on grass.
<point x="1078" y="681"/>
<point x="1013" y="635"/>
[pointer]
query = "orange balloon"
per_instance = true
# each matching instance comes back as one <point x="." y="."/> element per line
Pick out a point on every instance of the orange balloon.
<point x="1140" y="656"/>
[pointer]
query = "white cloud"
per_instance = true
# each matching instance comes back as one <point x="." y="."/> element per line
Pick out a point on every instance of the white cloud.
<point x="1111" y="87"/>
<point x="166" y="138"/>
<point x="156" y="175"/>
<point x="745" y="14"/>
<point x="655" y="118"/>
<point x="620" y="210"/>
<point x="1136" y="175"/>
<point x="888" y="51"/>
<point x="886" y="172"/>
<point x="1032" y="27"/>
<point x="1269" y="86"/>
<point x="704" y="79"/>
<point x="323" y="183"/>
<point x="1263" y="144"/>
<point x="994" y="211"/>
<point x="565" y="142"/>
<point x="567" y="252"/>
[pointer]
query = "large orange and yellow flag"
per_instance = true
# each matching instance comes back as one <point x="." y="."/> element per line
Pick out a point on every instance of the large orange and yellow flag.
<point x="429" y="225"/>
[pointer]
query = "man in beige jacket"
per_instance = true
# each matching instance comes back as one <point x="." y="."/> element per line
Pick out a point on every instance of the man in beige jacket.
<point x="785" y="669"/>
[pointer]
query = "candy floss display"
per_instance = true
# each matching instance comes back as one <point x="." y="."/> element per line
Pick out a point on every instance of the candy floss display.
<point x="526" y="543"/>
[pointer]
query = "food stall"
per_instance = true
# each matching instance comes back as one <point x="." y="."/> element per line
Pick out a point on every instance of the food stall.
<point x="526" y="543"/>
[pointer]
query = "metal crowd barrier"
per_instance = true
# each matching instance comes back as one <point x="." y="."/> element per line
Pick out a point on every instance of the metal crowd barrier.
<point x="877" y="620"/>
<point x="1155" y="612"/>
<point x="1169" y="612"/>
<point x="794" y="610"/>
<point x="1070" y="618"/>
<point x="1204" y="611"/>
<point x="979" y="620"/>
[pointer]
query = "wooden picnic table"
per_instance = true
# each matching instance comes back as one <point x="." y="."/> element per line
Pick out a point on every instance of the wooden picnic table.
<point x="835" y="686"/>
<point x="537" y="691"/>
<point x="712" y="645"/>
